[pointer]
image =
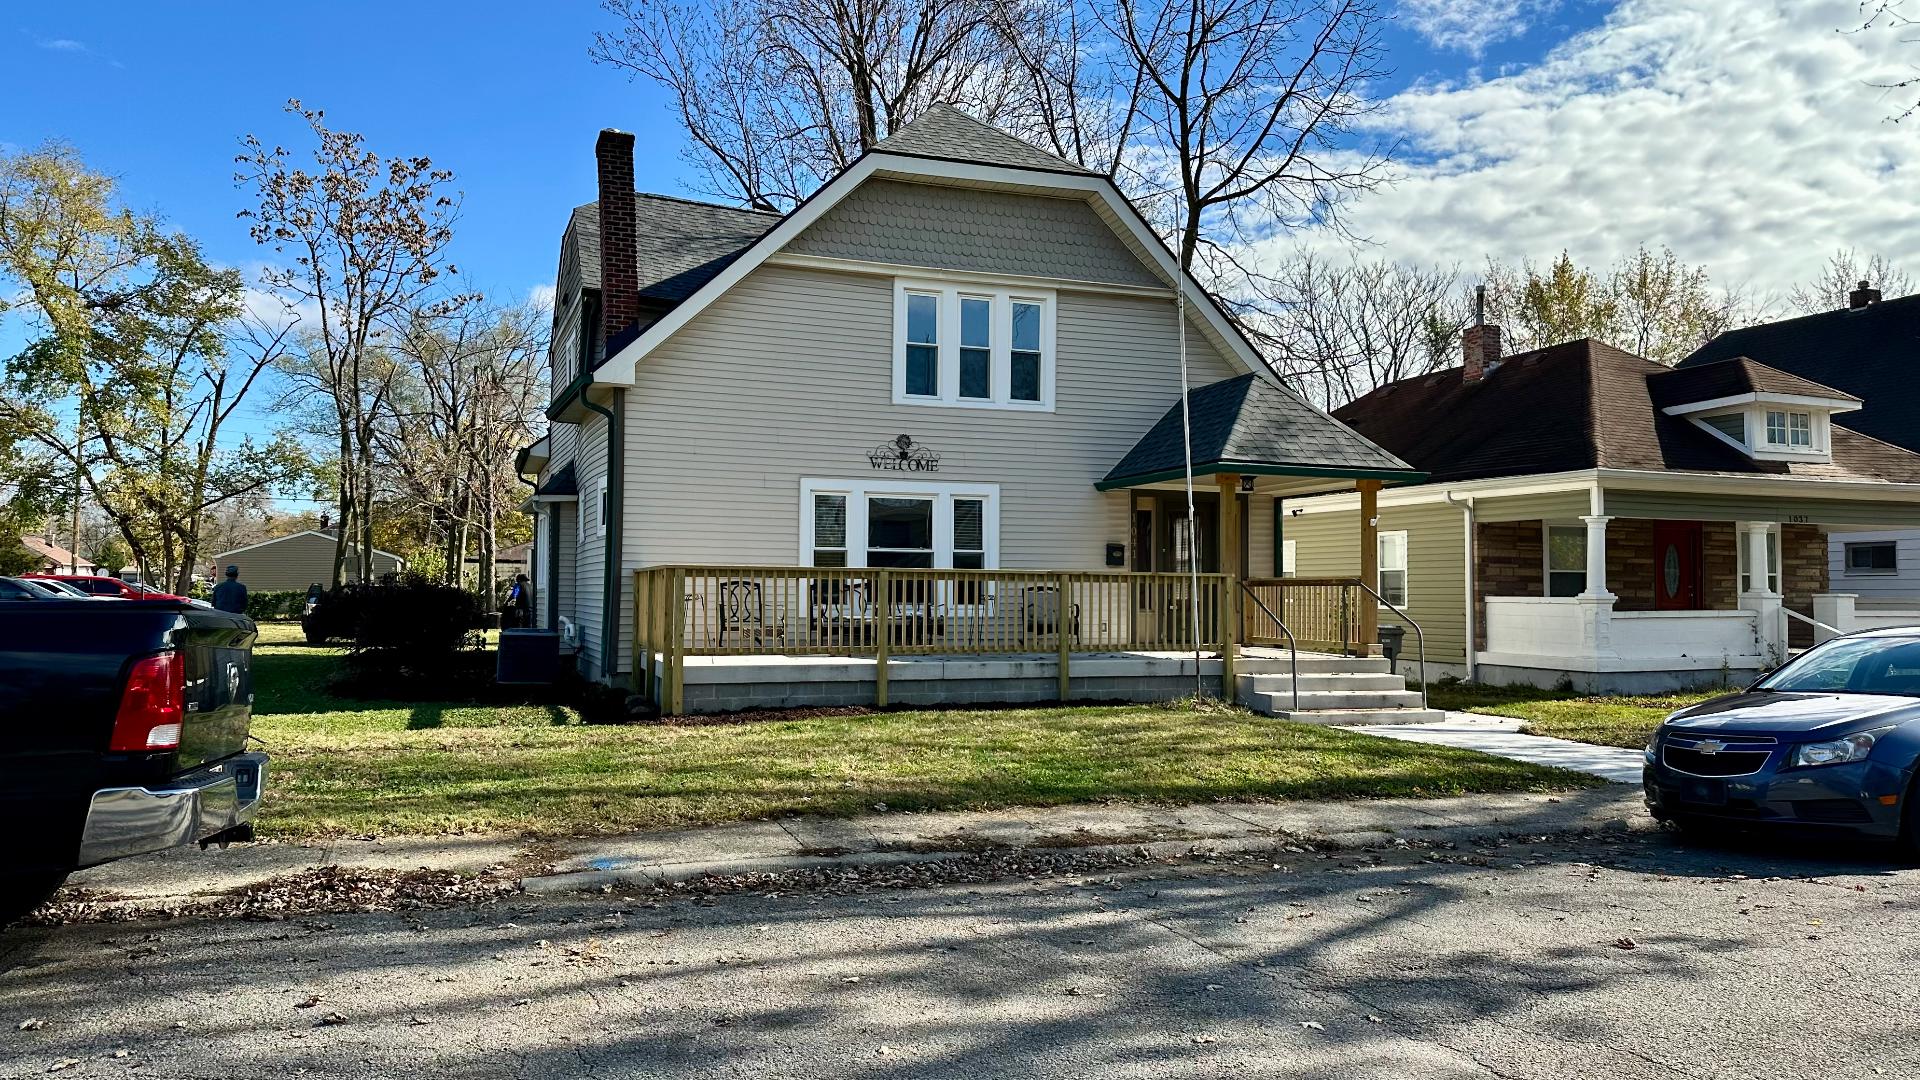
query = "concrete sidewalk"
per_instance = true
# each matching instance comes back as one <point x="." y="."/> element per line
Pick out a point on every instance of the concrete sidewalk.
<point x="882" y="838"/>
<point x="1500" y="736"/>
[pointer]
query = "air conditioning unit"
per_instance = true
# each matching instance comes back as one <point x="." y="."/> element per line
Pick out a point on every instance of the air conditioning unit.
<point x="528" y="658"/>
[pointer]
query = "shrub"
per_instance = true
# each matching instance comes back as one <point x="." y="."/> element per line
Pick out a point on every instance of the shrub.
<point x="408" y="633"/>
<point x="265" y="605"/>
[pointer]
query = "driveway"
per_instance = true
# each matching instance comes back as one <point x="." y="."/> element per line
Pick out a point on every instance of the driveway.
<point x="1625" y="955"/>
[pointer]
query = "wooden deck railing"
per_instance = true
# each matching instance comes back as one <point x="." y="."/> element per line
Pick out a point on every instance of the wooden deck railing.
<point x="1321" y="612"/>
<point x="681" y="611"/>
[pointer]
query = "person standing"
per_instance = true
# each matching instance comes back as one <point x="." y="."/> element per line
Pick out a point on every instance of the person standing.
<point x="230" y="595"/>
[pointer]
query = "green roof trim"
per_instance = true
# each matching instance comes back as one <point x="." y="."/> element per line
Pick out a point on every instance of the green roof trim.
<point x="1262" y="468"/>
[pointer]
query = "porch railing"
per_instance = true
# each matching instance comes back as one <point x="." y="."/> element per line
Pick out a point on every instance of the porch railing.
<point x="681" y="611"/>
<point x="1322" y="613"/>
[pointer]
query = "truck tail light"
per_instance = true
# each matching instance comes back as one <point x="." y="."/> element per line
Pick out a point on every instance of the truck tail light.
<point x="153" y="705"/>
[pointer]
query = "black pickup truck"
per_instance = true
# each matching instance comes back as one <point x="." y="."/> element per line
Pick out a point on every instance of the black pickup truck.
<point x="123" y="730"/>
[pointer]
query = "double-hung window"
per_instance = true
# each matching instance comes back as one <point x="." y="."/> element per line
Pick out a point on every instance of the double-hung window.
<point x="1566" y="560"/>
<point x="1393" y="568"/>
<point x="983" y="347"/>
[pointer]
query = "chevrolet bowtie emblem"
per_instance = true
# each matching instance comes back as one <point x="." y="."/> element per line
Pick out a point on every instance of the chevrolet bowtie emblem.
<point x="1709" y="746"/>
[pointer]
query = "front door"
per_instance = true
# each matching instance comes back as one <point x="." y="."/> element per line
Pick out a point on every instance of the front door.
<point x="1676" y="566"/>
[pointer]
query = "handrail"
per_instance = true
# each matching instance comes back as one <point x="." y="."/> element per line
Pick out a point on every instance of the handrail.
<point x="1419" y="635"/>
<point x="1293" y="647"/>
<point x="1815" y="623"/>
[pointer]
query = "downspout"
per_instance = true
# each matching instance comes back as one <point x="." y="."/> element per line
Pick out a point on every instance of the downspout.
<point x="610" y="551"/>
<point x="1466" y="511"/>
<point x="553" y="567"/>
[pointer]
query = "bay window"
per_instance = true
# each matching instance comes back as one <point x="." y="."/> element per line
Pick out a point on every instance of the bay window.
<point x="981" y="347"/>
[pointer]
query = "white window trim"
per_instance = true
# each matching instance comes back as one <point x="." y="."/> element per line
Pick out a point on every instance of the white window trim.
<point x="948" y="336"/>
<point x="600" y="507"/>
<point x="942" y="494"/>
<point x="1546" y="556"/>
<point x="1406" y="556"/>
<point x="1760" y="447"/>
<point x="1846" y="558"/>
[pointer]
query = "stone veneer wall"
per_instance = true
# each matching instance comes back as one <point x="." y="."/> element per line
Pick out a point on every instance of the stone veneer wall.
<point x="1508" y="561"/>
<point x="1803" y="572"/>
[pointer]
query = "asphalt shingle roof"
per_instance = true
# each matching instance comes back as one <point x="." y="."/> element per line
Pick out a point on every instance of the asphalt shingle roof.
<point x="682" y="243"/>
<point x="1247" y="419"/>
<point x="1869" y="353"/>
<point x="945" y="132"/>
<point x="1581" y="405"/>
<point x="562" y="482"/>
<point x="1730" y="378"/>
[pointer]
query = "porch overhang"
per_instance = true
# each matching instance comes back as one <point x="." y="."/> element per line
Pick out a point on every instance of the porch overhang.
<point x="1248" y="426"/>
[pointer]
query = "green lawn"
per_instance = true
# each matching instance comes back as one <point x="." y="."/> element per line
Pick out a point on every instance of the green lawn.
<point x="1604" y="721"/>
<point x="343" y="767"/>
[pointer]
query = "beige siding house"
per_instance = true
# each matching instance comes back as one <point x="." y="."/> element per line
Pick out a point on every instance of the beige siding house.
<point x="962" y="353"/>
<point x="1595" y="519"/>
<point x="297" y="561"/>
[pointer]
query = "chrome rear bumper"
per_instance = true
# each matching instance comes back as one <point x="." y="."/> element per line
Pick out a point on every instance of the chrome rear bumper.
<point x="136" y="820"/>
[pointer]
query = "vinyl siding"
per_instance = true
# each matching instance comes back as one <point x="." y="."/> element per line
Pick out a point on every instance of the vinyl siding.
<point x="993" y="232"/>
<point x="1903" y="585"/>
<point x="1688" y="506"/>
<point x="1553" y="505"/>
<point x="789" y="376"/>
<point x="295" y="562"/>
<point x="590" y="465"/>
<point x="1328" y="545"/>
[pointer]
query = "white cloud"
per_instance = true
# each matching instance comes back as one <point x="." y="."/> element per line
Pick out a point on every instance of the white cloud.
<point x="1472" y="25"/>
<point x="541" y="297"/>
<point x="1744" y="134"/>
<point x="63" y="45"/>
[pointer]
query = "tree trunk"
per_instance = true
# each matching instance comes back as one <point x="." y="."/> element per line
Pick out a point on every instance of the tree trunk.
<point x="343" y="527"/>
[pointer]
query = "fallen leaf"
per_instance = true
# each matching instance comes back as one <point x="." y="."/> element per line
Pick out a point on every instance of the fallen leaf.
<point x="1312" y="1025"/>
<point x="331" y="1019"/>
<point x="1626" y="943"/>
<point x="31" y="1023"/>
<point x="312" y="1000"/>
<point x="63" y="1065"/>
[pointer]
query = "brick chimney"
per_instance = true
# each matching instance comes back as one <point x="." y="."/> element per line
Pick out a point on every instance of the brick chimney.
<point x="1862" y="296"/>
<point x="619" y="241"/>
<point x="1479" y="343"/>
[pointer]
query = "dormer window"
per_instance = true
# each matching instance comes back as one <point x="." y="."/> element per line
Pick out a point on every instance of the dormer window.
<point x="1793" y="430"/>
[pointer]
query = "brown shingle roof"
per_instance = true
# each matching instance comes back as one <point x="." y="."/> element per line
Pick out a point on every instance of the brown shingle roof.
<point x="1580" y="405"/>
<point x="1730" y="378"/>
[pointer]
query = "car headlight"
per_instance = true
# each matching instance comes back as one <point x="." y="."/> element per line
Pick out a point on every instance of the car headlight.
<point x="1838" y="751"/>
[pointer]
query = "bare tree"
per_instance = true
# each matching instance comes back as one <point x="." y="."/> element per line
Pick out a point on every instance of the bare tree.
<point x="1251" y="110"/>
<point x="1842" y="273"/>
<point x="779" y="95"/>
<point x="1339" y="328"/>
<point x="368" y="237"/>
<point x="1890" y="16"/>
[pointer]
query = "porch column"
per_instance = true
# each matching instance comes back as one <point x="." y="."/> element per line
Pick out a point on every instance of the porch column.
<point x="1769" y="623"/>
<point x="1597" y="557"/>
<point x="1367" y="625"/>
<point x="1229" y="614"/>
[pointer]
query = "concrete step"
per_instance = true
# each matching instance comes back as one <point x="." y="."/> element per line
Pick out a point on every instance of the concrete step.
<point x="1316" y="700"/>
<point x="1340" y="681"/>
<point x="1313" y="665"/>
<point x="1358" y="717"/>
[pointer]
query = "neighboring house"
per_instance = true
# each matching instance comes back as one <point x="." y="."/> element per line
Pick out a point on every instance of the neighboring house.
<point x="1597" y="518"/>
<point x="1866" y="349"/>
<point x="55" y="559"/>
<point x="297" y="561"/>
<point x="962" y="352"/>
<point x="508" y="562"/>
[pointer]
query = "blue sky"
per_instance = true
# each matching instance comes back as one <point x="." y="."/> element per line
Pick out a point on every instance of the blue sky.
<point x="504" y="97"/>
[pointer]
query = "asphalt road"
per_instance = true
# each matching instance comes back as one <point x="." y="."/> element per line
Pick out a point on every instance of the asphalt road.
<point x="1508" y="961"/>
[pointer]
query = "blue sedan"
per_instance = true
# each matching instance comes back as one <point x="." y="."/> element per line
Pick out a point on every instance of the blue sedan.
<point x="1829" y="740"/>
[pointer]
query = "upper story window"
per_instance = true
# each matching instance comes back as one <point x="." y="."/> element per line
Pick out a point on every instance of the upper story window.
<point x="1790" y="429"/>
<point x="973" y="347"/>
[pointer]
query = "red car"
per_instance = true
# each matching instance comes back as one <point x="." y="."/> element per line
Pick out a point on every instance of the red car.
<point x="101" y="585"/>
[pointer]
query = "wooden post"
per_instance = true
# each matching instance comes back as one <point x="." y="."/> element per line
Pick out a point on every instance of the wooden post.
<point x="1229" y="546"/>
<point x="677" y="635"/>
<point x="640" y="629"/>
<point x="1367" y="618"/>
<point x="884" y="617"/>
<point x="1063" y="624"/>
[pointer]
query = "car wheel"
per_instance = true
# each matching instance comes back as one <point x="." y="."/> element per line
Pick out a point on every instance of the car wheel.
<point x="21" y="893"/>
<point x="1910" y="821"/>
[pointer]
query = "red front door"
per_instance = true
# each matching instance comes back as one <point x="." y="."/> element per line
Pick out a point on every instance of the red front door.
<point x="1676" y="566"/>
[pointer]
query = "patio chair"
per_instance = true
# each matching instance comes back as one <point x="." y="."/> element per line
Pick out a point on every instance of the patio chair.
<point x="744" y="613"/>
<point x="839" y="613"/>
<point x="1040" y="613"/>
